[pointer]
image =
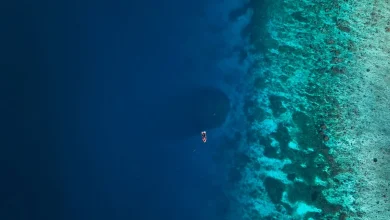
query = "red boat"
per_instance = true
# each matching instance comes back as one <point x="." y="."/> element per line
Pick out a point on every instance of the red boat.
<point x="204" y="136"/>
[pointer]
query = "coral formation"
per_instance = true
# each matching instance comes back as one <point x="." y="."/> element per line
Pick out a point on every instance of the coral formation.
<point x="317" y="111"/>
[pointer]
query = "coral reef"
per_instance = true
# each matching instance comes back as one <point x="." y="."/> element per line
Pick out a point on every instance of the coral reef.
<point x="317" y="112"/>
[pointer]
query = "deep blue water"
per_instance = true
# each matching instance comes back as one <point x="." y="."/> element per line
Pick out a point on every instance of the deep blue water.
<point x="83" y="89"/>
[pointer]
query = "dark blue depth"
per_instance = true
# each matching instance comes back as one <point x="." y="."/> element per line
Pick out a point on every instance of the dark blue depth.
<point x="84" y="89"/>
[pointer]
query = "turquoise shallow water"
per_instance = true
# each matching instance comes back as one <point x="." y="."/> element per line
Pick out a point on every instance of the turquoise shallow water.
<point x="314" y="105"/>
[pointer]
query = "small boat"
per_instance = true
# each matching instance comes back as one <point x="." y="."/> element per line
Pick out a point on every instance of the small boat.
<point x="204" y="136"/>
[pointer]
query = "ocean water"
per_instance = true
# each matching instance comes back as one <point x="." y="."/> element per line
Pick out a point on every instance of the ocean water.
<point x="103" y="103"/>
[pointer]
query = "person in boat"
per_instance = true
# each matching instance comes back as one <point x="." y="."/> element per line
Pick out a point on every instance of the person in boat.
<point x="204" y="136"/>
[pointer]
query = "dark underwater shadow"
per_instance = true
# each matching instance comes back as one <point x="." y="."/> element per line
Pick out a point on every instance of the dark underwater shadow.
<point x="187" y="114"/>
